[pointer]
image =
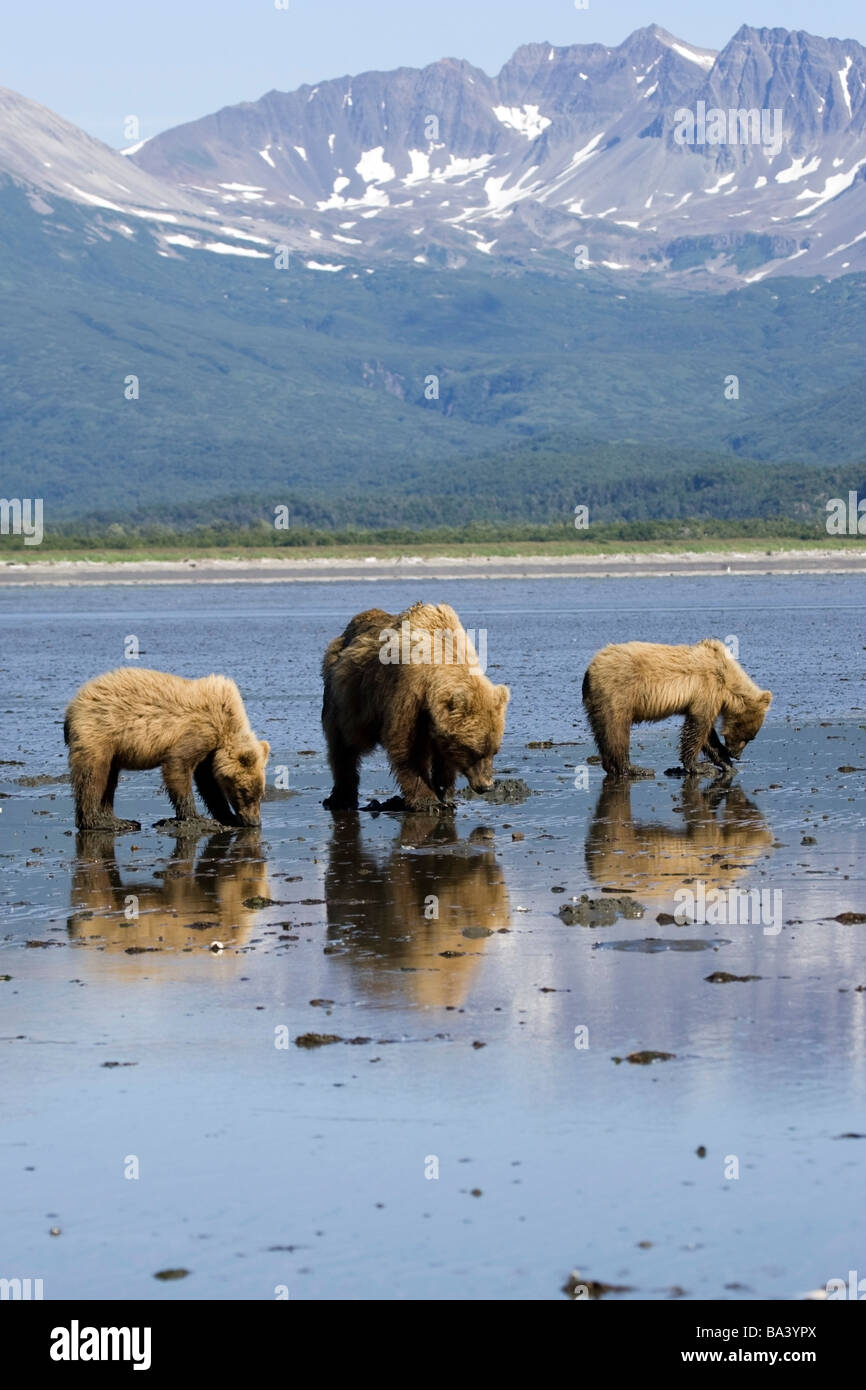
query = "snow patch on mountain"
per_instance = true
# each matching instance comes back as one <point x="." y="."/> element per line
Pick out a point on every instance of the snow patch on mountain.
<point x="704" y="60"/>
<point x="843" y="79"/>
<point x="798" y="170"/>
<point x="836" y="184"/>
<point x="373" y="167"/>
<point x="222" y="248"/>
<point x="525" y="119"/>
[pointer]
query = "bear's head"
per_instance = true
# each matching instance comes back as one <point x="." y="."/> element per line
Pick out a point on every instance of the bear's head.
<point x="239" y="770"/>
<point x="741" y="724"/>
<point x="468" y="721"/>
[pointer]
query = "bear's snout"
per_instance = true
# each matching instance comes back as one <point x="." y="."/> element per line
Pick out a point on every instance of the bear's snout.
<point x="479" y="775"/>
<point x="480" y="782"/>
<point x="249" y="819"/>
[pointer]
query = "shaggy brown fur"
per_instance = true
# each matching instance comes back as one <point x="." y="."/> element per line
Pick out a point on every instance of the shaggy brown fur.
<point x="135" y="719"/>
<point x="642" y="682"/>
<point x="435" y="718"/>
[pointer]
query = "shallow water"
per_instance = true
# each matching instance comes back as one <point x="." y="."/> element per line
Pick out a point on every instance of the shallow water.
<point x="264" y="1167"/>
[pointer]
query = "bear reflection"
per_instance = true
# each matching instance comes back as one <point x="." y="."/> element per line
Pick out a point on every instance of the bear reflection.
<point x="721" y="837"/>
<point x="399" y="910"/>
<point x="196" y="899"/>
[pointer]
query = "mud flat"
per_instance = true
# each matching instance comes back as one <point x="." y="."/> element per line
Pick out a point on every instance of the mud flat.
<point x="280" y="1070"/>
<point x="270" y="570"/>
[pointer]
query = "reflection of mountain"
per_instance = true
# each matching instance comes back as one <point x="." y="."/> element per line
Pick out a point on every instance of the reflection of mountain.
<point x="194" y="900"/>
<point x="384" y="910"/>
<point x="722" y="836"/>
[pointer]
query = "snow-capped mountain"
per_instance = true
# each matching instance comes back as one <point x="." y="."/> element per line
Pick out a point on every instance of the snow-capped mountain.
<point x="40" y="149"/>
<point x="655" y="156"/>
<point x="567" y="147"/>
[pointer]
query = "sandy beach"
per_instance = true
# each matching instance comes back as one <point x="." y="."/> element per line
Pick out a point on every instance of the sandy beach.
<point x="328" y="569"/>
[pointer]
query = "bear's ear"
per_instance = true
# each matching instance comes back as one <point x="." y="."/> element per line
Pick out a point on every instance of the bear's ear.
<point x="457" y="701"/>
<point x="266" y="748"/>
<point x="766" y="698"/>
<point x="248" y="757"/>
<point x="503" y="694"/>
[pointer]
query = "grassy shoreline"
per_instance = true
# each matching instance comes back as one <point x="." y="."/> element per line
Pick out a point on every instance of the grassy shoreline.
<point x="425" y="549"/>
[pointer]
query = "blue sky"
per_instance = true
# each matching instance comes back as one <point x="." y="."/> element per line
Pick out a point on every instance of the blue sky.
<point x="168" y="61"/>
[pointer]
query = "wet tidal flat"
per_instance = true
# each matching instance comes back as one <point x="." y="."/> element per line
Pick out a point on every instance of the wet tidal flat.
<point x="573" y="1027"/>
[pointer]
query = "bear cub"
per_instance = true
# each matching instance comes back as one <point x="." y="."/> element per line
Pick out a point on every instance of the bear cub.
<point x="133" y="719"/>
<point x="642" y="682"/>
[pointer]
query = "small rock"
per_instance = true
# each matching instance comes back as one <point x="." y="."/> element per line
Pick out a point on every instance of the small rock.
<point x="599" y="912"/>
<point x="317" y="1039"/>
<point x="508" y="791"/>
<point x="644" y="1059"/>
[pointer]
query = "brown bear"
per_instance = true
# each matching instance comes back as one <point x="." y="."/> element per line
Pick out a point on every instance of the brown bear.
<point x="642" y="682"/>
<point x="411" y="682"/>
<point x="136" y="719"/>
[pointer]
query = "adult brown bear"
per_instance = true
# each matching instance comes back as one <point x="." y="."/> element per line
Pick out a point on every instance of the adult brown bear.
<point x="133" y="719"/>
<point x="642" y="682"/>
<point x="411" y="682"/>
